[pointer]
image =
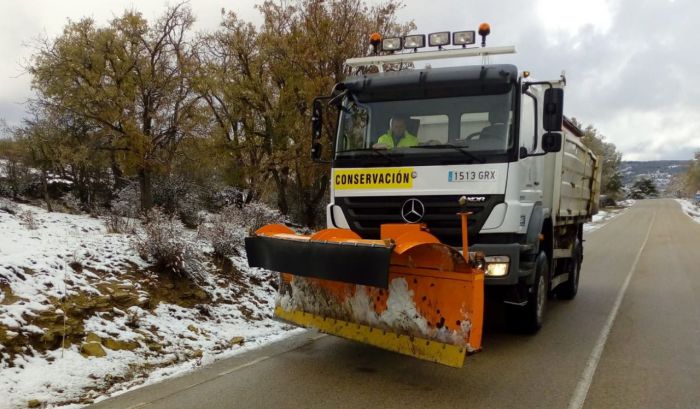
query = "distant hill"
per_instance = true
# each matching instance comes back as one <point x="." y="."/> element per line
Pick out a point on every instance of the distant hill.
<point x="660" y="171"/>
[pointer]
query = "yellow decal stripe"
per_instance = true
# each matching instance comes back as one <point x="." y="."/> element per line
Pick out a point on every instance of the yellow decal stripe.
<point x="384" y="178"/>
<point x="435" y="351"/>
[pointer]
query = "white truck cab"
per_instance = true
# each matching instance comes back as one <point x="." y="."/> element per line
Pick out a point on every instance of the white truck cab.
<point x="421" y="145"/>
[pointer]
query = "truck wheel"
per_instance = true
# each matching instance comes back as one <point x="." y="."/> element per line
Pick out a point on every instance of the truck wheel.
<point x="529" y="318"/>
<point x="568" y="289"/>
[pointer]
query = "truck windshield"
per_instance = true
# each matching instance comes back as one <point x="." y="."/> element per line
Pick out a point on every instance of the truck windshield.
<point x="471" y="126"/>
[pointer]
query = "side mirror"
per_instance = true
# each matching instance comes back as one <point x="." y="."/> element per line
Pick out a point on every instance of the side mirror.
<point x="553" y="109"/>
<point x="316" y="130"/>
<point x="551" y="142"/>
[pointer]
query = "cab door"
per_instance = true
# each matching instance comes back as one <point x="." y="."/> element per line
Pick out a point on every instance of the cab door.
<point x="531" y="174"/>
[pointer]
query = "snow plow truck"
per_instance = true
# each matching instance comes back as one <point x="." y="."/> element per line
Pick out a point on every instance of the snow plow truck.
<point x="449" y="185"/>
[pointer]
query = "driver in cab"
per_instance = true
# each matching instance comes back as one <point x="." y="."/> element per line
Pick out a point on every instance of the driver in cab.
<point x="397" y="135"/>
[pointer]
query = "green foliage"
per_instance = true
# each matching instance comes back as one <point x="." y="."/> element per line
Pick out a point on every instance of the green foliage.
<point x="259" y="85"/>
<point x="187" y="114"/>
<point x="611" y="178"/>
<point x="692" y="178"/>
<point x="643" y="188"/>
<point x="17" y="178"/>
<point x="130" y="81"/>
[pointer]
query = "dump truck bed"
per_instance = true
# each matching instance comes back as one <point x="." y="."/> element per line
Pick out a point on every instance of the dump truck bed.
<point x="572" y="190"/>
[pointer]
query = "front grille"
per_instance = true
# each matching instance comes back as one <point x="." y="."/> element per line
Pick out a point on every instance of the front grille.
<point x="366" y="214"/>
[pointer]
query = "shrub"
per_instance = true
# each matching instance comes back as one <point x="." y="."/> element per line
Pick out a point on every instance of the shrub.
<point x="27" y="220"/>
<point x="124" y="208"/>
<point x="8" y="207"/>
<point x="228" y="196"/>
<point x="254" y="215"/>
<point x="16" y="179"/>
<point x="223" y="234"/>
<point x="126" y="202"/>
<point x="119" y="225"/>
<point x="189" y="210"/>
<point x="163" y="243"/>
<point x="177" y="195"/>
<point x="227" y="230"/>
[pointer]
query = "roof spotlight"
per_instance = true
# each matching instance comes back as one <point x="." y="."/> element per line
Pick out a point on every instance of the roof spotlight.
<point x="391" y="44"/>
<point x="463" y="38"/>
<point x="439" y="39"/>
<point x="414" y="41"/>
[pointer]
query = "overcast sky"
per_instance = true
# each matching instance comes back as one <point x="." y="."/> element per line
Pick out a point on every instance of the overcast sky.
<point x="633" y="66"/>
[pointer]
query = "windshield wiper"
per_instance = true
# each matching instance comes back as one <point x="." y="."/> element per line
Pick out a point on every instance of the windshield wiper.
<point x="455" y="147"/>
<point x="377" y="152"/>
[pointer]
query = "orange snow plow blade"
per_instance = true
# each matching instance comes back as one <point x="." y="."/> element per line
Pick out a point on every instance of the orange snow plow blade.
<point x="406" y="292"/>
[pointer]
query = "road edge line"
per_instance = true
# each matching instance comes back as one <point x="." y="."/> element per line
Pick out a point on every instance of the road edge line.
<point x="251" y="363"/>
<point x="581" y="392"/>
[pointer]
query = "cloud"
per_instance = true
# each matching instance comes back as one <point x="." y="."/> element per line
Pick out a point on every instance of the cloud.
<point x="656" y="134"/>
<point x="631" y="65"/>
<point x="24" y="22"/>
<point x="635" y="80"/>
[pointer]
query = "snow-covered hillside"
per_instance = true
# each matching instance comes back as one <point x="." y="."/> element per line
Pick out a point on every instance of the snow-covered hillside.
<point x="661" y="172"/>
<point x="83" y="316"/>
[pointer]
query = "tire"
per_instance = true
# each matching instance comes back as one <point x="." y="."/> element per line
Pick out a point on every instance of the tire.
<point x="568" y="289"/>
<point x="529" y="318"/>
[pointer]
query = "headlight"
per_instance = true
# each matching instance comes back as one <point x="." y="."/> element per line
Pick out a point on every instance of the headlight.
<point x="391" y="44"/>
<point x="497" y="266"/>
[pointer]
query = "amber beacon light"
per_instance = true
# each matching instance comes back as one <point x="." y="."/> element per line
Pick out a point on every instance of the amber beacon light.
<point x="374" y="40"/>
<point x="484" y="30"/>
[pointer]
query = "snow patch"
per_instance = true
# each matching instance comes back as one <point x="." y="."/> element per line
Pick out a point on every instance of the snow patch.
<point x="604" y="216"/>
<point x="690" y="208"/>
<point x="401" y="315"/>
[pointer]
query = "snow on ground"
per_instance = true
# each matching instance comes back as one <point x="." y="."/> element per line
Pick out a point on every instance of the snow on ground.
<point x="690" y="208"/>
<point x="605" y="215"/>
<point x="62" y="273"/>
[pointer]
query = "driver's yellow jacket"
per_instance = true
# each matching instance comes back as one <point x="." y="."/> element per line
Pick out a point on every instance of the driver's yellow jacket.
<point x="406" y="141"/>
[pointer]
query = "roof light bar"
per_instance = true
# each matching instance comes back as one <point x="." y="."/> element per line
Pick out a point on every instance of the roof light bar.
<point x="378" y="60"/>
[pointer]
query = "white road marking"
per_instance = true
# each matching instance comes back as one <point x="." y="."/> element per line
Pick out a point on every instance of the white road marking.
<point x="581" y="391"/>
<point x="317" y="337"/>
<point x="253" y="362"/>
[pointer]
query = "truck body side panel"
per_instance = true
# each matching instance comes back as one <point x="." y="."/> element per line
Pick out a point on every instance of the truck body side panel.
<point x="577" y="172"/>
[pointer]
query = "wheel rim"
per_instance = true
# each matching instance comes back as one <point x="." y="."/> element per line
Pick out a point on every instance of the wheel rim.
<point x="540" y="297"/>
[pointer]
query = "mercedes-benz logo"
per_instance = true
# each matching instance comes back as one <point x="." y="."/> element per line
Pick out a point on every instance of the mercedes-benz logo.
<point x="412" y="211"/>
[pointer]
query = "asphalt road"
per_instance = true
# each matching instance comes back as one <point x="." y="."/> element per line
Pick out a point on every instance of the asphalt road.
<point x="631" y="339"/>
